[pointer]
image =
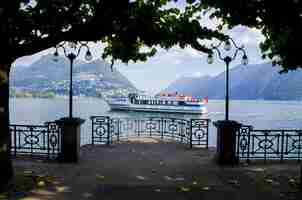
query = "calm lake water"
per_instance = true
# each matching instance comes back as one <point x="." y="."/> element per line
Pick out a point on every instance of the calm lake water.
<point x="260" y="114"/>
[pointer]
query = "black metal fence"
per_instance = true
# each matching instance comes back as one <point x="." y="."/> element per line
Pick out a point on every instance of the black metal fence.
<point x="269" y="144"/>
<point x="35" y="140"/>
<point x="194" y="132"/>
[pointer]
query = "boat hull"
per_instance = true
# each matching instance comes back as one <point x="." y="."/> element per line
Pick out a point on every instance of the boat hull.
<point x="154" y="108"/>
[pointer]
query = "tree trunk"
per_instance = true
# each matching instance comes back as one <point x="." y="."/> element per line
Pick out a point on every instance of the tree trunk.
<point x="6" y="170"/>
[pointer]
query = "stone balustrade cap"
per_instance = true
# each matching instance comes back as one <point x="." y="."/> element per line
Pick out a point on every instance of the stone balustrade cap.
<point x="67" y="120"/>
<point x="227" y="123"/>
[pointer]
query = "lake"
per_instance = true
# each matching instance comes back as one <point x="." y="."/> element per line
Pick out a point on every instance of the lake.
<point x="260" y="114"/>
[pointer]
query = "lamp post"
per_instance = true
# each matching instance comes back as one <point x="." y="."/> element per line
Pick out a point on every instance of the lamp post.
<point x="227" y="60"/>
<point x="71" y="51"/>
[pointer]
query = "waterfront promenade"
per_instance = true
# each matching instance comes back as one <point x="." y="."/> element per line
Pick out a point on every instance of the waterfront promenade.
<point x="152" y="169"/>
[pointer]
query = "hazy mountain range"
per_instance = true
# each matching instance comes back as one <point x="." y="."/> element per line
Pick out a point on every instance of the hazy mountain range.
<point x="259" y="81"/>
<point x="47" y="75"/>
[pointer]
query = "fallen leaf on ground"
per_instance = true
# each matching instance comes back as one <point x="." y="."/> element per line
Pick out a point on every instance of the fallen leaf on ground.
<point x="205" y="188"/>
<point x="179" y="179"/>
<point x="184" y="189"/>
<point x="87" y="195"/>
<point x="269" y="180"/>
<point x="257" y="169"/>
<point x="168" y="178"/>
<point x="292" y="181"/>
<point x="41" y="184"/>
<point x="141" y="177"/>
<point x="62" y="189"/>
<point x="100" y="177"/>
<point x="28" y="173"/>
<point x="157" y="190"/>
<point x="3" y="196"/>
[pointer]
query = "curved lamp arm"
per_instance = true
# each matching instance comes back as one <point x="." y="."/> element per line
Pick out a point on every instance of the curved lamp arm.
<point x="77" y="49"/>
<point x="228" y="58"/>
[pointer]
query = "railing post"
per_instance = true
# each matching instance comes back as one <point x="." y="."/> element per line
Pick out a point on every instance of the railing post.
<point x="48" y="140"/>
<point x="119" y="125"/>
<point x="15" y="141"/>
<point x="92" y="130"/>
<point x="207" y="142"/>
<point x="226" y="141"/>
<point x="300" y="150"/>
<point x="191" y="136"/>
<point x="162" y="128"/>
<point x="282" y="144"/>
<point x="238" y="142"/>
<point x="70" y="138"/>
<point x="108" y="130"/>
<point x="150" y="127"/>
<point x="249" y="143"/>
<point x="265" y="151"/>
<point x="138" y="127"/>
<point x="31" y="136"/>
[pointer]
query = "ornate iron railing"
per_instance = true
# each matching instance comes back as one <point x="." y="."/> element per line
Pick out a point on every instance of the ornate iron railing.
<point x="106" y="130"/>
<point x="33" y="140"/>
<point x="269" y="144"/>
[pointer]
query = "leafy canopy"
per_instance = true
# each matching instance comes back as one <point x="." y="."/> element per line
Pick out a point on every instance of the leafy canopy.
<point x="125" y="26"/>
<point x="279" y="21"/>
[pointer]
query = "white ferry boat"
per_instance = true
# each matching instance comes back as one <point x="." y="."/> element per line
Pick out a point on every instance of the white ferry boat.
<point x="160" y="103"/>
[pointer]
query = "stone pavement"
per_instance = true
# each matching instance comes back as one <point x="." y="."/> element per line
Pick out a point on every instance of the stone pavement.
<point x="152" y="169"/>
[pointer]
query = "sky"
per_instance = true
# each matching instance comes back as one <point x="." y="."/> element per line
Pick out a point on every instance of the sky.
<point x="168" y="65"/>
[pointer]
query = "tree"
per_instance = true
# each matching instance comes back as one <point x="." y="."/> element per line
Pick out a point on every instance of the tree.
<point x="125" y="26"/>
<point x="279" y="21"/>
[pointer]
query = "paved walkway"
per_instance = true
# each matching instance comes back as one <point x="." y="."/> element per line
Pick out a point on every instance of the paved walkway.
<point x="151" y="169"/>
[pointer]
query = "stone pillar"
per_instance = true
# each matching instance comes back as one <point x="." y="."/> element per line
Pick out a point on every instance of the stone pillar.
<point x="70" y="138"/>
<point x="226" y="142"/>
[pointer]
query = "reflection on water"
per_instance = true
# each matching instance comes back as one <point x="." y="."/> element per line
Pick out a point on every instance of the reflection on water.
<point x="260" y="114"/>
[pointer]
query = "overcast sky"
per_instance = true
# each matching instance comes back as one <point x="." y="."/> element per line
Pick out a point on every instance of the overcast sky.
<point x="166" y="66"/>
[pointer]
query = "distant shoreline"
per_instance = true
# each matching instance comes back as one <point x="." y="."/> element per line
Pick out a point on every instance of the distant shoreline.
<point x="221" y="100"/>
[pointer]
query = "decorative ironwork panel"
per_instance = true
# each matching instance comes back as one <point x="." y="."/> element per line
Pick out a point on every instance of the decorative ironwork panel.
<point x="269" y="144"/>
<point x="199" y="132"/>
<point x="132" y="127"/>
<point x="33" y="140"/>
<point x="243" y="142"/>
<point x="101" y="129"/>
<point x="105" y="130"/>
<point x="176" y="129"/>
<point x="54" y="139"/>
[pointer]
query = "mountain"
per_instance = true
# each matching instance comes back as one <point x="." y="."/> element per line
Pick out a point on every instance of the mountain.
<point x="88" y="78"/>
<point x="259" y="81"/>
<point x="189" y="85"/>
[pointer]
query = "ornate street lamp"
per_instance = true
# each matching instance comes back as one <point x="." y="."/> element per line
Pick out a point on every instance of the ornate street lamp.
<point x="227" y="59"/>
<point x="71" y="51"/>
